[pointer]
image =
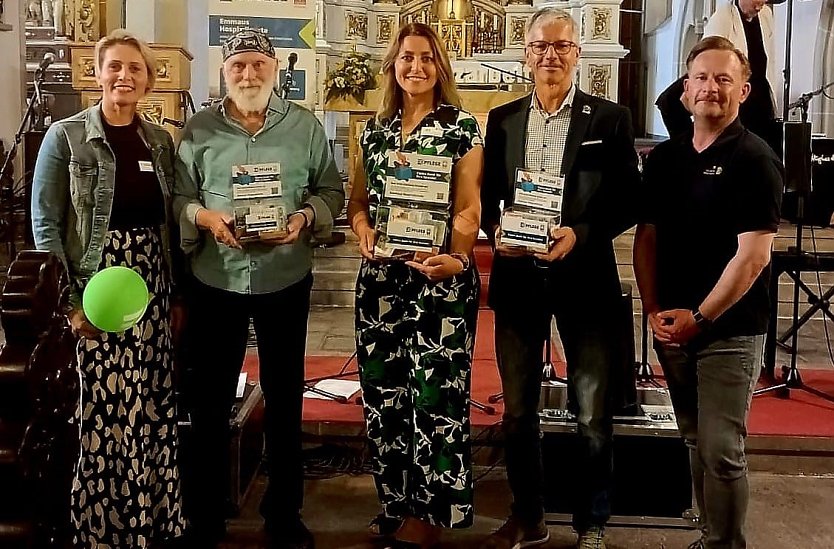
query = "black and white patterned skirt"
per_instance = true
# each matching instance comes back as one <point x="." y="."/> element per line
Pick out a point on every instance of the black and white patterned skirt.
<point x="126" y="491"/>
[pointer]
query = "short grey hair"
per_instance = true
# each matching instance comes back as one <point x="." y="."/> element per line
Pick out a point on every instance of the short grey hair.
<point x="551" y="14"/>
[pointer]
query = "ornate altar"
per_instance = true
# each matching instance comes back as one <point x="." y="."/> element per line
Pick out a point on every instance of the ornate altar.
<point x="166" y="103"/>
<point x="477" y="102"/>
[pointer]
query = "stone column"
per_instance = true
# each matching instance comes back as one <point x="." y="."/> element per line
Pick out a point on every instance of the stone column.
<point x="601" y="49"/>
<point x="517" y="15"/>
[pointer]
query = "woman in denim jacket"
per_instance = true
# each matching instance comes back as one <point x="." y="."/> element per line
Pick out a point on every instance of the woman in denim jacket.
<point x="101" y="197"/>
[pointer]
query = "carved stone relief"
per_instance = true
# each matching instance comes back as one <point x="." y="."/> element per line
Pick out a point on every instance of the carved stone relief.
<point x="601" y="18"/>
<point x="517" y="27"/>
<point x="384" y="28"/>
<point x="599" y="78"/>
<point x="356" y="25"/>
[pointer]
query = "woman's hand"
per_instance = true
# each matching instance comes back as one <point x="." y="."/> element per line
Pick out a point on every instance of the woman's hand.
<point x="438" y="267"/>
<point x="80" y="326"/>
<point x="367" y="240"/>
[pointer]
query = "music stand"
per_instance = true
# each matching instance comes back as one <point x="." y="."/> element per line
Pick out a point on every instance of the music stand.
<point x="309" y="384"/>
<point x="645" y="374"/>
<point x="791" y="378"/>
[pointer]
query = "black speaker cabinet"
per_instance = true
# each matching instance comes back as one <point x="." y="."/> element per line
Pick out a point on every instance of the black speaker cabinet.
<point x="246" y="447"/>
<point x="652" y="482"/>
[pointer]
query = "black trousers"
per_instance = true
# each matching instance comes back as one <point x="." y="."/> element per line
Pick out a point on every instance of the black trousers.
<point x="218" y="328"/>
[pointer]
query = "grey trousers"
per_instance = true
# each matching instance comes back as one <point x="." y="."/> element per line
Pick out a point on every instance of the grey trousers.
<point x="711" y="387"/>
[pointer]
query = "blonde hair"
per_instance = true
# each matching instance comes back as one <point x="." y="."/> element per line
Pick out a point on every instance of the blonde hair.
<point x="445" y="90"/>
<point x="121" y="36"/>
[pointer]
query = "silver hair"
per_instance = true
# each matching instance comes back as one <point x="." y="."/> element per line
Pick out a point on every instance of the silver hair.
<point x="551" y="14"/>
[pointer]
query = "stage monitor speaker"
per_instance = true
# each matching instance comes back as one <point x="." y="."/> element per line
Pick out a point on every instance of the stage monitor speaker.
<point x="652" y="479"/>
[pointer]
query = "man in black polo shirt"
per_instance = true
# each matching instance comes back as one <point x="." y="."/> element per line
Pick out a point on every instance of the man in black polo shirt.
<point x="701" y="259"/>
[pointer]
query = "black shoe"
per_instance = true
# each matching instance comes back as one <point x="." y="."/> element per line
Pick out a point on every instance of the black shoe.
<point x="294" y="535"/>
<point x="199" y="538"/>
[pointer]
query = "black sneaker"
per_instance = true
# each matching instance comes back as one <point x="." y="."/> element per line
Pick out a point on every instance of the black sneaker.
<point x="294" y="535"/>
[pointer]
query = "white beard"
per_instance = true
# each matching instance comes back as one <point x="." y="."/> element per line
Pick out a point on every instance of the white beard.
<point x="250" y="99"/>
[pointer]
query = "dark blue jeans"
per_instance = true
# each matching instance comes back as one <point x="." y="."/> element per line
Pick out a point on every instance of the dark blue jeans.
<point x="590" y="345"/>
<point x="711" y="387"/>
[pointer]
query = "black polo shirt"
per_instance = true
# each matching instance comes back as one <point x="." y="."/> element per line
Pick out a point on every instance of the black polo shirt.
<point x="699" y="203"/>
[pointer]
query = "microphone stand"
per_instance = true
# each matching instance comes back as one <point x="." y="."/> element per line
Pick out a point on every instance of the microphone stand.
<point x="503" y="71"/>
<point x="7" y="188"/>
<point x="805" y="99"/>
<point x="288" y="83"/>
<point x="791" y="378"/>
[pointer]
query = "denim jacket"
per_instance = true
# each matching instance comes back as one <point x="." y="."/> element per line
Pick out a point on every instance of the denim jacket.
<point x="72" y="192"/>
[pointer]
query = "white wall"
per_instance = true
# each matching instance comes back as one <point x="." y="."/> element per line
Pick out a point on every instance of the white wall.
<point x="662" y="54"/>
<point x="196" y="19"/>
<point x="12" y="68"/>
<point x="807" y="42"/>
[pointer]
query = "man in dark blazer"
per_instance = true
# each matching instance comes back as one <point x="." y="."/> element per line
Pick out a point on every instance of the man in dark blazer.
<point x="563" y="132"/>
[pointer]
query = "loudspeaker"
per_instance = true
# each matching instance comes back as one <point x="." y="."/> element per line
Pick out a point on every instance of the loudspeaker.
<point x="797" y="160"/>
<point x="652" y="478"/>
<point x="625" y="377"/>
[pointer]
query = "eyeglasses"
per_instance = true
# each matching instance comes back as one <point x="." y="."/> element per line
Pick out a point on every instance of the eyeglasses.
<point x="561" y="47"/>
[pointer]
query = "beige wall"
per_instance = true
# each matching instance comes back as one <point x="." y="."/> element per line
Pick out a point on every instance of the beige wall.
<point x="172" y="22"/>
<point x="12" y="66"/>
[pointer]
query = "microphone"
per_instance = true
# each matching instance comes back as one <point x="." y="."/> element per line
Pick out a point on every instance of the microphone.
<point x="289" y="82"/>
<point x="48" y="59"/>
<point x="176" y="123"/>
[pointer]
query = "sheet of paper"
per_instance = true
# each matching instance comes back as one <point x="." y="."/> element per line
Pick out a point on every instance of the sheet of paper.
<point x="339" y="387"/>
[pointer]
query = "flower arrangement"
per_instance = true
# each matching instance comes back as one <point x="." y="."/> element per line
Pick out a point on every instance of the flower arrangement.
<point x="352" y="77"/>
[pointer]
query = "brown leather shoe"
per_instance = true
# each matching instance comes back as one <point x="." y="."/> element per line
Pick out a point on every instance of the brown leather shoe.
<point x="515" y="535"/>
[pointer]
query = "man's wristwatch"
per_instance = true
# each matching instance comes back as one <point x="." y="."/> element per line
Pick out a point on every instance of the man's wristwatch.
<point x="702" y="322"/>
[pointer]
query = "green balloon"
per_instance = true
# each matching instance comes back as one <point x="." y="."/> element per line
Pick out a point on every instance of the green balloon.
<point x="115" y="299"/>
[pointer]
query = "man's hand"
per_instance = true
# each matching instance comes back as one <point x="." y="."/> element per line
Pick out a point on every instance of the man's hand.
<point x="80" y="326"/>
<point x="438" y="267"/>
<point x="220" y="225"/>
<point x="564" y="239"/>
<point x="508" y="251"/>
<point x="673" y="327"/>
<point x="296" y="222"/>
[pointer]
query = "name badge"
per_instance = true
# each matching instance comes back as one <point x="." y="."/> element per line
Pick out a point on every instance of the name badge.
<point x="145" y="166"/>
<point x="431" y="131"/>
